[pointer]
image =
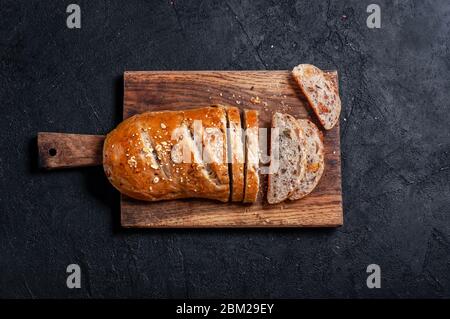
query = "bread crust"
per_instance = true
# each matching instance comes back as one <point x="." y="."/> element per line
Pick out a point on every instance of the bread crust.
<point x="251" y="125"/>
<point x="236" y="153"/>
<point x="321" y="93"/>
<point x="139" y="162"/>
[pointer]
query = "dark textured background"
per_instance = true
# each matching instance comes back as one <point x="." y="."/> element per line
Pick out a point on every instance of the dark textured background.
<point x="395" y="85"/>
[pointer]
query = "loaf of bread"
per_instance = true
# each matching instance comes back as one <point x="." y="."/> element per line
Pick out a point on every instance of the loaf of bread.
<point x="170" y="155"/>
<point x="321" y="93"/>
<point x="200" y="153"/>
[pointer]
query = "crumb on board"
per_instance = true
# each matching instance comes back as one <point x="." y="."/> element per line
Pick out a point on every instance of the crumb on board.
<point x="255" y="100"/>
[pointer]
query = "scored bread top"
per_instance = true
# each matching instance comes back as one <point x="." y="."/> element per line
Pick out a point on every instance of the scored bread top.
<point x="152" y="156"/>
<point x="251" y="126"/>
<point x="321" y="92"/>
<point x="315" y="161"/>
<point x="236" y="153"/>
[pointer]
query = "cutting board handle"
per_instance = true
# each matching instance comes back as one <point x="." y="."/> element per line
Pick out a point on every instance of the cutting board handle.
<point x="61" y="150"/>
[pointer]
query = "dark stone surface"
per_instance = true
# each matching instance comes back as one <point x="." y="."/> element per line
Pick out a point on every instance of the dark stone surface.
<point x="395" y="84"/>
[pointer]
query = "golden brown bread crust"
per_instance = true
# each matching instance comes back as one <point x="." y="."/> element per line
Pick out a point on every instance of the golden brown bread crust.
<point x="251" y="126"/>
<point x="138" y="158"/>
<point x="236" y="154"/>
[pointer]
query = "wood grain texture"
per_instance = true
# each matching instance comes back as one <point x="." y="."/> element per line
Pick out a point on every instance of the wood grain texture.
<point x="277" y="91"/>
<point x="60" y="150"/>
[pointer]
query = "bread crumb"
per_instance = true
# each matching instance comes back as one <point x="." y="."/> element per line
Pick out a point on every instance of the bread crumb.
<point x="163" y="126"/>
<point x="255" y="100"/>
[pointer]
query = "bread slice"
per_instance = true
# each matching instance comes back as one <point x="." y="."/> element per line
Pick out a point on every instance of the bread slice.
<point x="251" y="125"/>
<point x="235" y="154"/>
<point x="288" y="158"/>
<point x="315" y="161"/>
<point x="321" y="92"/>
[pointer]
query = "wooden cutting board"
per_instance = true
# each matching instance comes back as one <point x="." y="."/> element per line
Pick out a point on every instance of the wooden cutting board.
<point x="174" y="90"/>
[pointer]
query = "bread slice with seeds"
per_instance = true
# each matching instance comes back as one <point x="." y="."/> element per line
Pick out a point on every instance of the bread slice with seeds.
<point x="251" y="125"/>
<point x="288" y="157"/>
<point x="235" y="153"/>
<point x="315" y="160"/>
<point x="321" y="92"/>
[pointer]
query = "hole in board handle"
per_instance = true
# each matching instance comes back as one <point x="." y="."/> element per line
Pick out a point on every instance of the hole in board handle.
<point x="52" y="152"/>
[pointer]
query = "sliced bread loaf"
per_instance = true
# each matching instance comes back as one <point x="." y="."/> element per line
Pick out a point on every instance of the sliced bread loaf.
<point x="288" y="157"/>
<point x="251" y="125"/>
<point x="321" y="92"/>
<point x="235" y="154"/>
<point x="315" y="161"/>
